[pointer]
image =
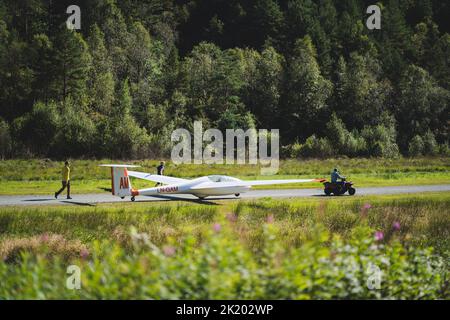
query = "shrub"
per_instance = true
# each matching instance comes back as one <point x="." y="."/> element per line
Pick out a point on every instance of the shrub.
<point x="294" y="150"/>
<point x="344" y="142"/>
<point x="416" y="146"/>
<point x="221" y="267"/>
<point x="128" y="139"/>
<point x="5" y="139"/>
<point x="430" y="146"/>
<point x="354" y="145"/>
<point x="316" y="147"/>
<point x="160" y="143"/>
<point x="76" y="132"/>
<point x="444" y="149"/>
<point x="38" y="128"/>
<point x="235" y="116"/>
<point x="380" y="141"/>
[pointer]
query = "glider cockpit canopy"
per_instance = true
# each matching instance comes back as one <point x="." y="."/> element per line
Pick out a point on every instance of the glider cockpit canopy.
<point x="219" y="178"/>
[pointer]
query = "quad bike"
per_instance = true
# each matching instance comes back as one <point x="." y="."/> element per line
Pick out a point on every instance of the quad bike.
<point x="339" y="188"/>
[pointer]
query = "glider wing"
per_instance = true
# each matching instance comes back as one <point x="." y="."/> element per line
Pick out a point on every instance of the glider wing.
<point x="156" y="177"/>
<point x="227" y="184"/>
<point x="268" y="182"/>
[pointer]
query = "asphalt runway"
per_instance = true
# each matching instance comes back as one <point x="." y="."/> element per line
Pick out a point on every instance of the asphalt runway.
<point x="92" y="199"/>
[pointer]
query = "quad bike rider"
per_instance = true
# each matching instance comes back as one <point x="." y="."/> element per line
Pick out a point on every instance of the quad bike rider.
<point x="338" y="187"/>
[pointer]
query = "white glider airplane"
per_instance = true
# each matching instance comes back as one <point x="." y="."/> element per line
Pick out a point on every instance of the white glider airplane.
<point x="214" y="185"/>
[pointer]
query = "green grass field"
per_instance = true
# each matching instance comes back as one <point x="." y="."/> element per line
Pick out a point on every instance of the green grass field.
<point x="245" y="249"/>
<point x="266" y="248"/>
<point x="43" y="176"/>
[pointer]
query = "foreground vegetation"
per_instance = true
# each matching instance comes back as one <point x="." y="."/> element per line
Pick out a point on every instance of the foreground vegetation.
<point x="41" y="176"/>
<point x="294" y="249"/>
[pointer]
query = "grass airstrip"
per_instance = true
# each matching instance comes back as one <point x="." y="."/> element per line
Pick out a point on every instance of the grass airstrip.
<point x="43" y="176"/>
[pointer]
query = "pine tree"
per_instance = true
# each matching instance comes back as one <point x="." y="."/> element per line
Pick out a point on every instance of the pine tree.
<point x="73" y="65"/>
<point x="361" y="93"/>
<point x="16" y="78"/>
<point x="124" y="102"/>
<point x="127" y="138"/>
<point x="42" y="53"/>
<point x="394" y="43"/>
<point x="112" y="23"/>
<point x="306" y="91"/>
<point x="267" y="21"/>
<point x="422" y="104"/>
<point x="101" y="79"/>
<point x="263" y="92"/>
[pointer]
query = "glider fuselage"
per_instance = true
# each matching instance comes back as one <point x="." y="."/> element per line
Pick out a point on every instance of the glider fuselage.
<point x="205" y="187"/>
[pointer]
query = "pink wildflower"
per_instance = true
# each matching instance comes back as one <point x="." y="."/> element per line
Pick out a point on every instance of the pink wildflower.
<point x="169" y="251"/>
<point x="84" y="253"/>
<point x="396" y="226"/>
<point x="231" y="217"/>
<point x="379" y="235"/>
<point x="217" y="227"/>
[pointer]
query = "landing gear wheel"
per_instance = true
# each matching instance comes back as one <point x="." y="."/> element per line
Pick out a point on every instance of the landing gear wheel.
<point x="237" y="194"/>
<point x="133" y="198"/>
<point x="122" y="197"/>
<point x="351" y="191"/>
<point x="201" y="198"/>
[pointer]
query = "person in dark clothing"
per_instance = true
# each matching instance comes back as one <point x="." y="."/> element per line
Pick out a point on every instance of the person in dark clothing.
<point x="160" y="168"/>
<point x="160" y="171"/>
<point x="335" y="176"/>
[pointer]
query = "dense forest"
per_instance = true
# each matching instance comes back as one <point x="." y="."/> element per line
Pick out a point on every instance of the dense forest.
<point x="137" y="70"/>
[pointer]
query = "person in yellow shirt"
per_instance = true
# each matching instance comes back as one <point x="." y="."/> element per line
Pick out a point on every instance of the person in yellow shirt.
<point x="65" y="180"/>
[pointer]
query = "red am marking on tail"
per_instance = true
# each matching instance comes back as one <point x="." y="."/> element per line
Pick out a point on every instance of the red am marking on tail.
<point x="320" y="180"/>
<point x="124" y="183"/>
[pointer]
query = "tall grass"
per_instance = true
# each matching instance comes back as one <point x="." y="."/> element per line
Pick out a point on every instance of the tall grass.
<point x="424" y="219"/>
<point x="281" y="249"/>
<point x="219" y="267"/>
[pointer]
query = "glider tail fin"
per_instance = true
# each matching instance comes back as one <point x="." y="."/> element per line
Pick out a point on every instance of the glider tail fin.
<point x="120" y="181"/>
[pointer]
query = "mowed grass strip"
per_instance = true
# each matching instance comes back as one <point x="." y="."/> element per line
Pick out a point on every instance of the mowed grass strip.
<point x="43" y="176"/>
